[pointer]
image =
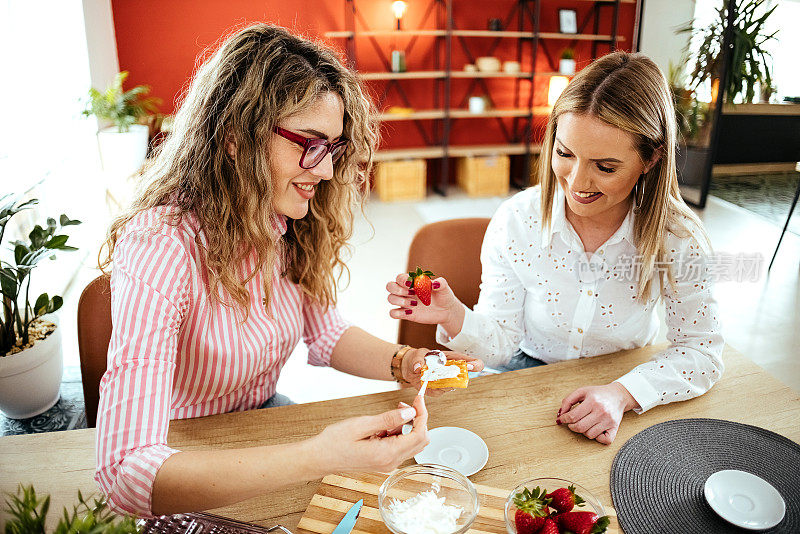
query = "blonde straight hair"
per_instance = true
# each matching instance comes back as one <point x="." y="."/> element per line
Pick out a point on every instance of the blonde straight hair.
<point x="629" y="92"/>
<point x="257" y="77"/>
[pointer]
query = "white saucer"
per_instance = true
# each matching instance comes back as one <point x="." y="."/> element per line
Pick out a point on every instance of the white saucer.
<point x="744" y="499"/>
<point x="455" y="447"/>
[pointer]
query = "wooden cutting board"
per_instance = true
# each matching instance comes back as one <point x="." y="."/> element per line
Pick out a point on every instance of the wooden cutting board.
<point x="337" y="493"/>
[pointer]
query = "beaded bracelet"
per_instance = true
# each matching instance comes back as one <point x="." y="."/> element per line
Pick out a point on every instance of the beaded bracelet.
<point x="397" y="364"/>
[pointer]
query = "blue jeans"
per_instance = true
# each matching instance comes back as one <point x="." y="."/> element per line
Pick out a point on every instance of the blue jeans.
<point x="519" y="361"/>
<point x="276" y="400"/>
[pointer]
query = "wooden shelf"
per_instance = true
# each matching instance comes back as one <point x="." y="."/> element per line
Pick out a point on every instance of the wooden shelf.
<point x="578" y="37"/>
<point x="466" y="114"/>
<point x="492" y="33"/>
<point x="465" y="74"/>
<point x="382" y="33"/>
<point x="490" y="150"/>
<point x="422" y="114"/>
<point x="475" y="33"/>
<point x="432" y="114"/>
<point x="409" y="153"/>
<point x="412" y="75"/>
<point x="454" y="151"/>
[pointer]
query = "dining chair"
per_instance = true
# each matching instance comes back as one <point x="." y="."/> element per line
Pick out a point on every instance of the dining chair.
<point x="450" y="249"/>
<point x="94" y="334"/>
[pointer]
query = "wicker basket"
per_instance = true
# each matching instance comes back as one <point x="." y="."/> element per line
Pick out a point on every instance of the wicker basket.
<point x="400" y="180"/>
<point x="483" y="176"/>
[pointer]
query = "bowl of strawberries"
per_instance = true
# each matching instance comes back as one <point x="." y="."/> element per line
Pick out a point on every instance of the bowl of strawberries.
<point x="553" y="506"/>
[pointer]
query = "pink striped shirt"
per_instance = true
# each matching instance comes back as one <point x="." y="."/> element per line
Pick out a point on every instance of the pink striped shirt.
<point x="175" y="354"/>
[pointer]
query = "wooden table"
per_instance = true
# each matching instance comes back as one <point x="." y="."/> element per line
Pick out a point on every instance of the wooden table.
<point x="513" y="412"/>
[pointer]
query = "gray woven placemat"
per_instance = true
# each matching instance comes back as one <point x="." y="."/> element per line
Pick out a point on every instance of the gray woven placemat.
<point x="657" y="477"/>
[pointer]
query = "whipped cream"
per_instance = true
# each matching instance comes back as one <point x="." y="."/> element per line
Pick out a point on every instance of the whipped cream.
<point x="424" y="513"/>
<point x="437" y="370"/>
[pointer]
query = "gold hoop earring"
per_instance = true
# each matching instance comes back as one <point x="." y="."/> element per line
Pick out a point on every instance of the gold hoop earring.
<point x="638" y="193"/>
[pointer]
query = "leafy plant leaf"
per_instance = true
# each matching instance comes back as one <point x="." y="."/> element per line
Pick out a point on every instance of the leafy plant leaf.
<point x="20" y="251"/>
<point x="55" y="303"/>
<point x="56" y="242"/>
<point x="40" y="308"/>
<point x="66" y="221"/>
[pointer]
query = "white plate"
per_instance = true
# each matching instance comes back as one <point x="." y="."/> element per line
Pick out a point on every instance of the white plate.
<point x="744" y="499"/>
<point x="455" y="447"/>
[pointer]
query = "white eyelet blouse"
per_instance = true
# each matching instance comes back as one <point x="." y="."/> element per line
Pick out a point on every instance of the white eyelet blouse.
<point x="541" y="293"/>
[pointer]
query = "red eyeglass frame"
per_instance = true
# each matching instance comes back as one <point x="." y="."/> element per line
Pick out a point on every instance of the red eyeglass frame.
<point x="311" y="142"/>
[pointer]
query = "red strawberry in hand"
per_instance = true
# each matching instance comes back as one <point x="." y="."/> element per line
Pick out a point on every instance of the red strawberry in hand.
<point x="421" y="282"/>
<point x="564" y="499"/>
<point x="582" y="523"/>
<point x="531" y="512"/>
<point x="549" y="527"/>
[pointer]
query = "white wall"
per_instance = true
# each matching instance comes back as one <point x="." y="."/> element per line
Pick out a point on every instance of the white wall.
<point x="660" y="18"/>
<point x="101" y="42"/>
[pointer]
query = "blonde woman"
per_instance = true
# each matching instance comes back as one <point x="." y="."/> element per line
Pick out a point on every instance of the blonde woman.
<point x="225" y="261"/>
<point x="576" y="267"/>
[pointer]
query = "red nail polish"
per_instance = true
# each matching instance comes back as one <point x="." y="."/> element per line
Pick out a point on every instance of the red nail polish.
<point x="436" y="285"/>
<point x="408" y="283"/>
<point x="413" y="302"/>
<point x="408" y="312"/>
<point x="558" y="422"/>
<point x="559" y="413"/>
<point x="412" y="292"/>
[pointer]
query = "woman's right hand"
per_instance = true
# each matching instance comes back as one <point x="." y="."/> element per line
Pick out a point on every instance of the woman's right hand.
<point x="444" y="309"/>
<point x="372" y="442"/>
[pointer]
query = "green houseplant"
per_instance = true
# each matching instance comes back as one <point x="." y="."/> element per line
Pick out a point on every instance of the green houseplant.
<point x="28" y="513"/>
<point x="30" y="346"/>
<point x="566" y="64"/>
<point x="120" y="107"/>
<point x="692" y="114"/>
<point x="123" y="146"/>
<point x="750" y="65"/>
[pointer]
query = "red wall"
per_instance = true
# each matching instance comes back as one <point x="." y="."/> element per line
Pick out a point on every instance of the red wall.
<point x="159" y="43"/>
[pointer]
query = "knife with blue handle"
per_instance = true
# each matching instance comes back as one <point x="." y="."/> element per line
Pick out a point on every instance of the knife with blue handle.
<point x="349" y="520"/>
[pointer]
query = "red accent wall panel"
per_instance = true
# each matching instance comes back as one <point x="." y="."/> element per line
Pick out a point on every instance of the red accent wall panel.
<point x="161" y="43"/>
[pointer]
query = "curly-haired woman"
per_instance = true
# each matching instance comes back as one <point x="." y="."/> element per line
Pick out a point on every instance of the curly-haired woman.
<point x="224" y="262"/>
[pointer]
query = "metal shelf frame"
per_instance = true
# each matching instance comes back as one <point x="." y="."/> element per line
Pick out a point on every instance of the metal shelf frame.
<point x="525" y="14"/>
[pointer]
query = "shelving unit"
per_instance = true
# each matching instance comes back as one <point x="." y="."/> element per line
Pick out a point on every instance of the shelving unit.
<point x="435" y="124"/>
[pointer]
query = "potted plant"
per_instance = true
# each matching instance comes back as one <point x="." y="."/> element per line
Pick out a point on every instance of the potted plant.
<point x="566" y="65"/>
<point x="692" y="114"/>
<point x="750" y="66"/>
<point x="27" y="514"/>
<point x="30" y="340"/>
<point x="123" y="146"/>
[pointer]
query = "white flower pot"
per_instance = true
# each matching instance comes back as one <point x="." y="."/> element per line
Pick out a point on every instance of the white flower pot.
<point x="30" y="381"/>
<point x="123" y="153"/>
<point x="566" y="66"/>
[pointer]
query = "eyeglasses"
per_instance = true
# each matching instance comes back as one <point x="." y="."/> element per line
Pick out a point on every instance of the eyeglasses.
<point x="314" y="149"/>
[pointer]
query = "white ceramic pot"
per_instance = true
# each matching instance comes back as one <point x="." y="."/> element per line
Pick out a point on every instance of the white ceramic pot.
<point x="566" y="66"/>
<point x="123" y="153"/>
<point x="30" y="381"/>
<point x="512" y="67"/>
<point x="488" y="64"/>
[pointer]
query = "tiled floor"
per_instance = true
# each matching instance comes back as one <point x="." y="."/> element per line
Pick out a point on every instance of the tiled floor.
<point x="761" y="319"/>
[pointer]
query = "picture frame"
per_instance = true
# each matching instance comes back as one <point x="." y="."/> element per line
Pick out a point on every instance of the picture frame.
<point x="567" y="21"/>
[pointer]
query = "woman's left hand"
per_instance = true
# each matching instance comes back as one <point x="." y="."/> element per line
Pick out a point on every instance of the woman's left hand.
<point x="414" y="359"/>
<point x="598" y="411"/>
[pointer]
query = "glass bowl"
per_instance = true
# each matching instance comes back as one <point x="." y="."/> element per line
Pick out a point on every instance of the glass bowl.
<point x="406" y="483"/>
<point x="551" y="484"/>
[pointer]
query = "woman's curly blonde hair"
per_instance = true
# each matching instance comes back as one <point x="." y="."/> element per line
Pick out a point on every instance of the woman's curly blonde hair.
<point x="257" y="77"/>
